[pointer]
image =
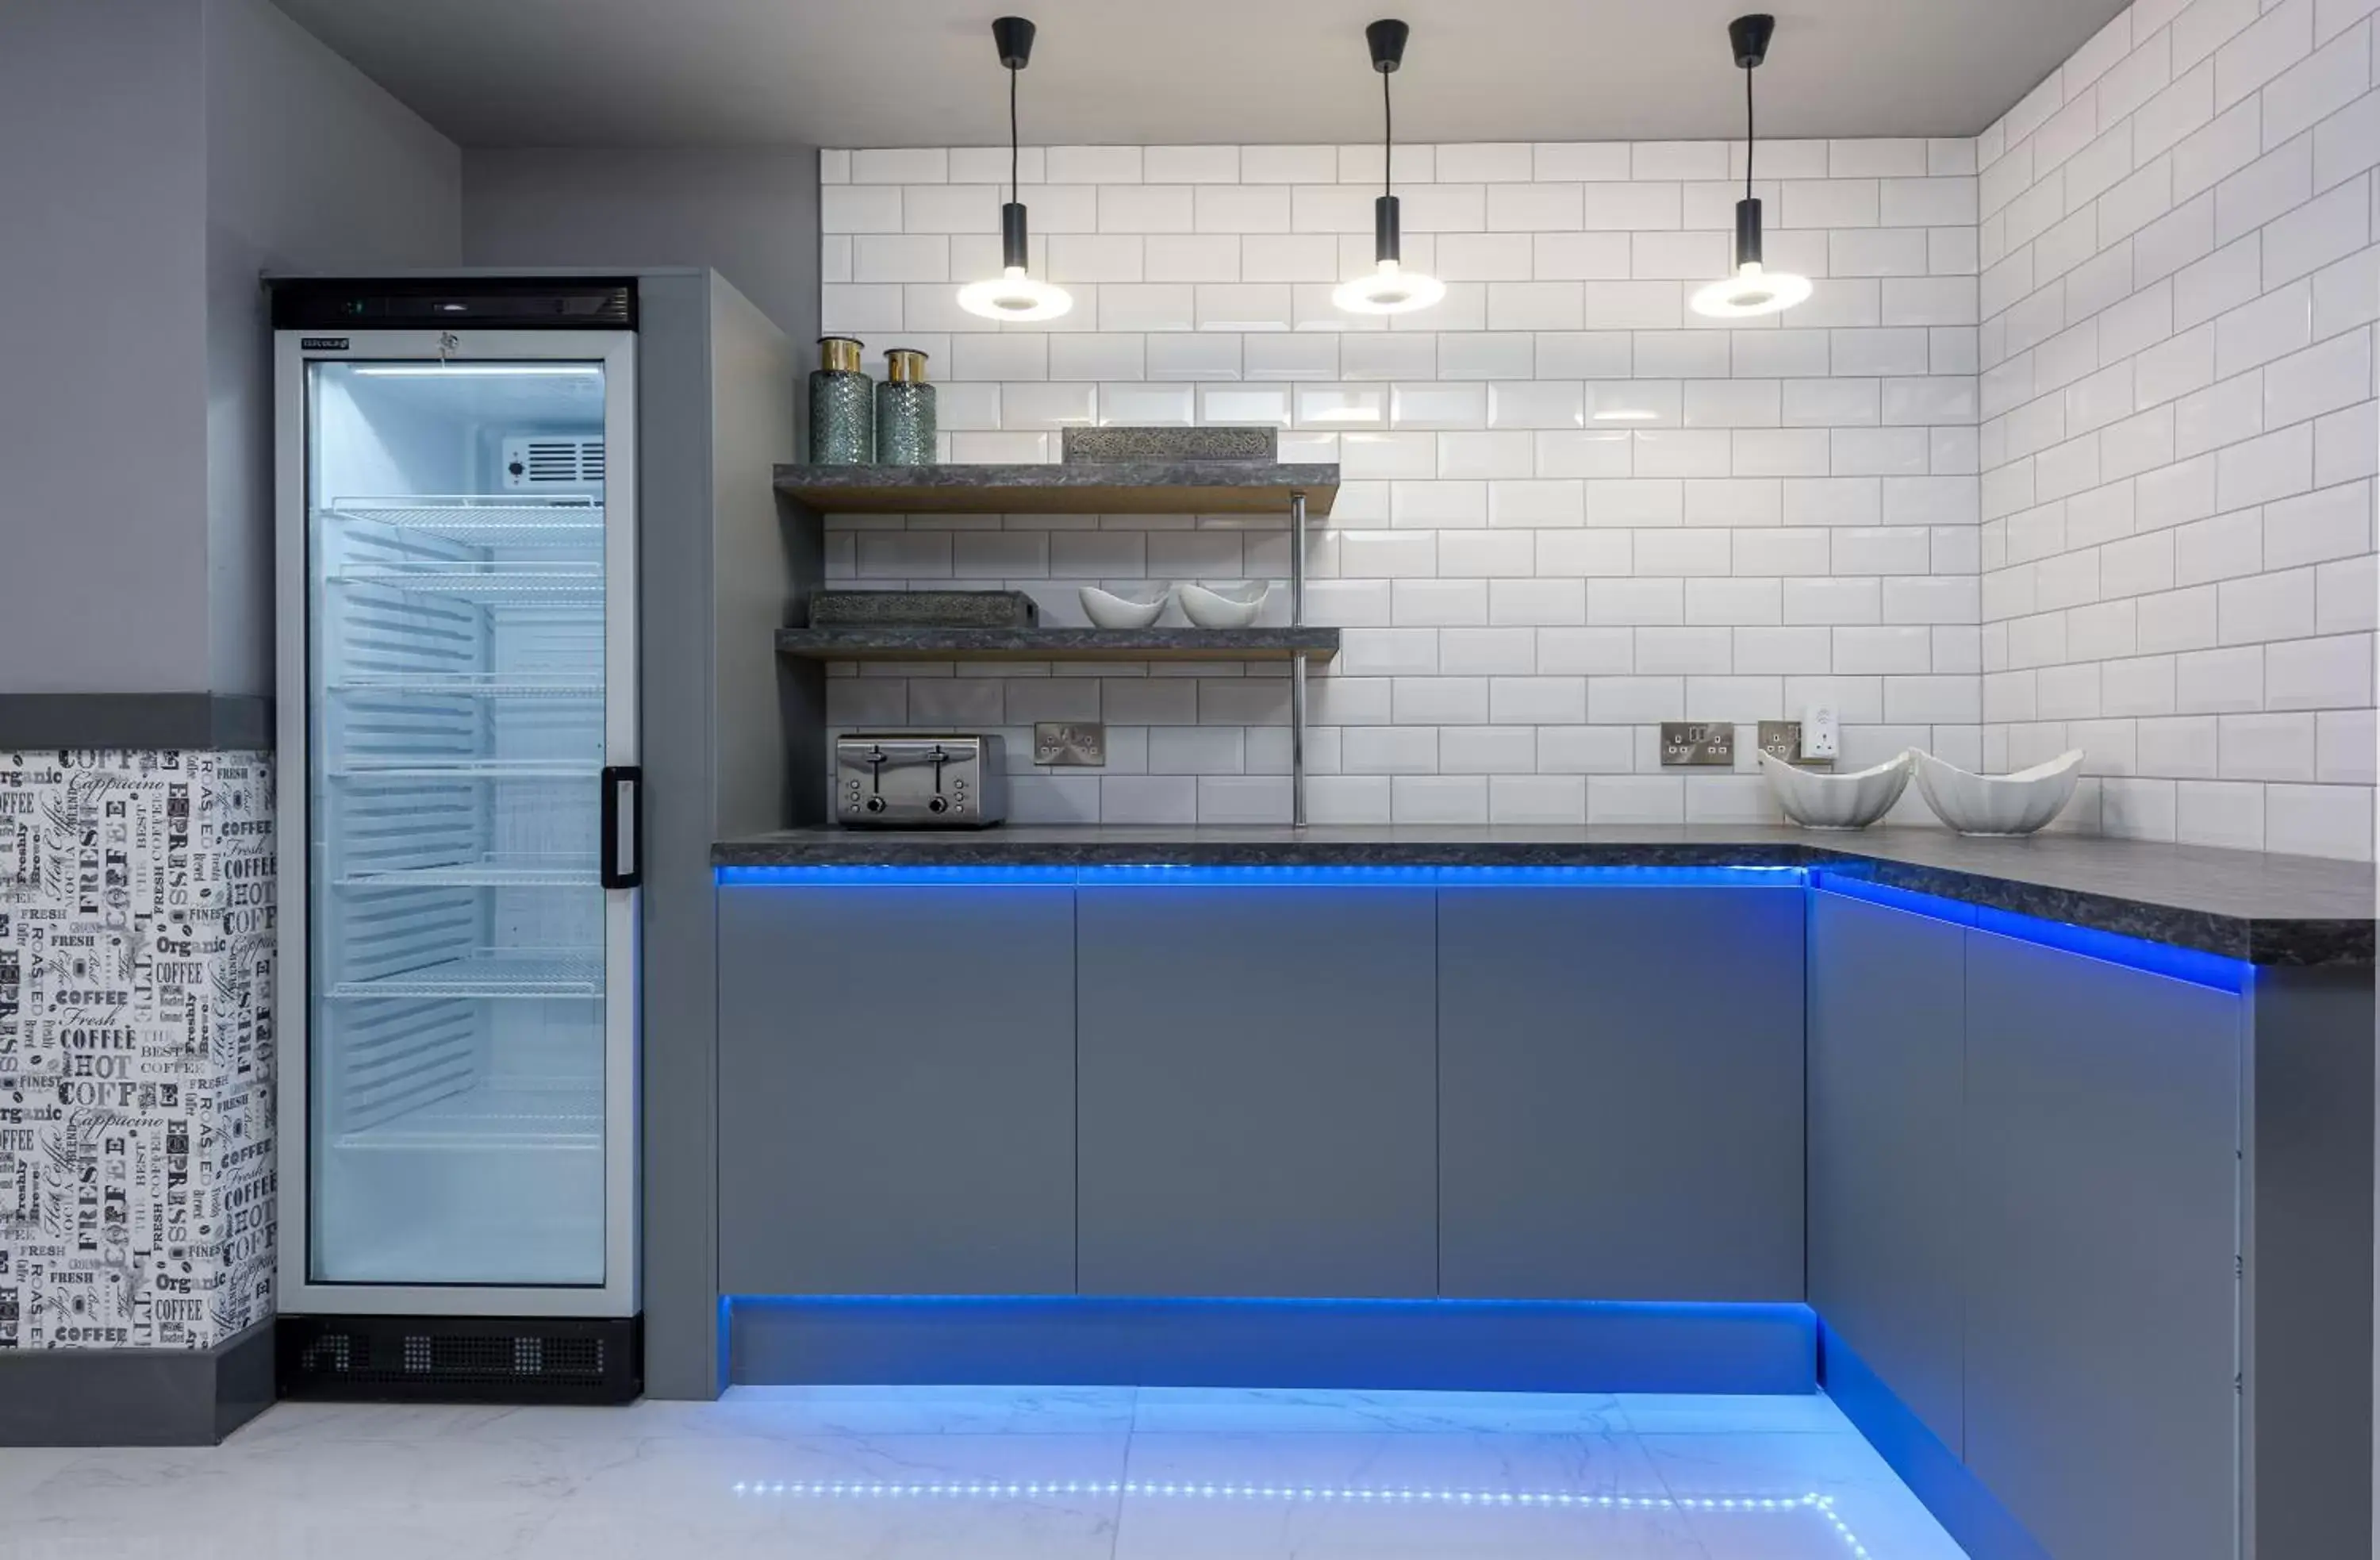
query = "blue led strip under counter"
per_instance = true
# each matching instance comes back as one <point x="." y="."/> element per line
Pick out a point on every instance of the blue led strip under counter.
<point x="2194" y="965"/>
<point x="1167" y="874"/>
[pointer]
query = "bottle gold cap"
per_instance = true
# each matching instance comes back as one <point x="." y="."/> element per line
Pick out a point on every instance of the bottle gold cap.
<point x="905" y="365"/>
<point x="840" y="353"/>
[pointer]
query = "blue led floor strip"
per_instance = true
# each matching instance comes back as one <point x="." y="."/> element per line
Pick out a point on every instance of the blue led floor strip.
<point x="1357" y="1496"/>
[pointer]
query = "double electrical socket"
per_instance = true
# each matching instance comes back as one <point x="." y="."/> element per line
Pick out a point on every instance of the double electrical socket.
<point x="1814" y="739"/>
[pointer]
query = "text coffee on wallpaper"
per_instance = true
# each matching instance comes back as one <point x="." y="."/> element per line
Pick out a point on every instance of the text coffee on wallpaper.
<point x="136" y="1048"/>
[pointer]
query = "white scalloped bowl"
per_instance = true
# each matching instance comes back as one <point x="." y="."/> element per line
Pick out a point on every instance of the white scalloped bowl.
<point x="1108" y="610"/>
<point x="1230" y="607"/>
<point x="1998" y="804"/>
<point x="1819" y="800"/>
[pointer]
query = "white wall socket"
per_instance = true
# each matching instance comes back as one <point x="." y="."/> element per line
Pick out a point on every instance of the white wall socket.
<point x="1821" y="736"/>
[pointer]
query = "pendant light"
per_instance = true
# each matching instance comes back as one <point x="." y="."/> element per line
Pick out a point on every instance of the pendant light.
<point x="1012" y="295"/>
<point x="1389" y="289"/>
<point x="1752" y="289"/>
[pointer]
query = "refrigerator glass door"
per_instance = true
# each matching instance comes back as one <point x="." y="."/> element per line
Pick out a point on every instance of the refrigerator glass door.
<point x="462" y="993"/>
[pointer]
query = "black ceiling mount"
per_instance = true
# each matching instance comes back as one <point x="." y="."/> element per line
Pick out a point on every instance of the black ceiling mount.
<point x="1387" y="38"/>
<point x="1014" y="37"/>
<point x="1750" y="37"/>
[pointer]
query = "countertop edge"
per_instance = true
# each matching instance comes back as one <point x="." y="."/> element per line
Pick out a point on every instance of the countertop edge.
<point x="2278" y="942"/>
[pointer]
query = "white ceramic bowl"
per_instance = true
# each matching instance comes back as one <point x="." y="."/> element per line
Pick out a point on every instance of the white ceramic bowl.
<point x="1819" y="800"/>
<point x="1998" y="804"/>
<point x="1233" y="607"/>
<point x="1108" y="610"/>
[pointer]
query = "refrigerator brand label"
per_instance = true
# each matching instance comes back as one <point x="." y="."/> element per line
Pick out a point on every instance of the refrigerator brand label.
<point x="323" y="343"/>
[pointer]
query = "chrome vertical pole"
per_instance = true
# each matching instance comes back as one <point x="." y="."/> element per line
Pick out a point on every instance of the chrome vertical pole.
<point x="1297" y="661"/>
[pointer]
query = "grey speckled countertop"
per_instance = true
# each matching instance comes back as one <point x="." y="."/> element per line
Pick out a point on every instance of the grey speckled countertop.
<point x="2271" y="909"/>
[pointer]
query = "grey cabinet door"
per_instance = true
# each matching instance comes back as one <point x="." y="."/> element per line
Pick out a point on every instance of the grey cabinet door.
<point x="896" y="1089"/>
<point x="1888" y="1044"/>
<point x="1257" y="1080"/>
<point x="2102" y="1124"/>
<point x="1620" y="1093"/>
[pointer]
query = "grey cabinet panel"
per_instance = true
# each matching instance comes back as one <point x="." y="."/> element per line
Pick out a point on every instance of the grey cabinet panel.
<point x="2102" y="1111"/>
<point x="1257" y="1087"/>
<point x="1620" y="1093"/>
<point x="896" y="1099"/>
<point x="1888" y="1039"/>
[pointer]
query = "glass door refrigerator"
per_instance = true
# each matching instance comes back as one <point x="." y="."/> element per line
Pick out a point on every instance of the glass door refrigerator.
<point x="460" y="824"/>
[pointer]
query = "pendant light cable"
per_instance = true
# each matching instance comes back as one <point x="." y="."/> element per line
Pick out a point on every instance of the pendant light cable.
<point x="1750" y="134"/>
<point x="1011" y="131"/>
<point x="1388" y="137"/>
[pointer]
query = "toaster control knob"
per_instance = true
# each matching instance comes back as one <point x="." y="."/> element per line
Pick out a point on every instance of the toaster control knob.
<point x="875" y="804"/>
<point x="937" y="804"/>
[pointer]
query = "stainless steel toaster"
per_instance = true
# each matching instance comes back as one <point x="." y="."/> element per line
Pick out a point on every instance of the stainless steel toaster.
<point x="913" y="780"/>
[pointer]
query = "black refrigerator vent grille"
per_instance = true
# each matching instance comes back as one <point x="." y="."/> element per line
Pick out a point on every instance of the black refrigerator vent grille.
<point x="460" y="1359"/>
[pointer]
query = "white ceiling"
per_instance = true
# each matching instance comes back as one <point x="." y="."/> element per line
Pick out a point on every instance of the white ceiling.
<point x="923" y="72"/>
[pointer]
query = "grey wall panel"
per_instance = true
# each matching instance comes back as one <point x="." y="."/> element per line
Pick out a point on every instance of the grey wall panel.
<point x="2309" y="1269"/>
<point x="2103" y="1109"/>
<point x="103" y="407"/>
<point x="310" y="166"/>
<point x="896" y="1108"/>
<point x="1257" y="1082"/>
<point x="749" y="212"/>
<point x="1621" y="1081"/>
<point x="1888" y="1029"/>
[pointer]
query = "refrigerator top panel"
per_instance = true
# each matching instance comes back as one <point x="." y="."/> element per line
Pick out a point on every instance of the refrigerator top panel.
<point x="455" y="303"/>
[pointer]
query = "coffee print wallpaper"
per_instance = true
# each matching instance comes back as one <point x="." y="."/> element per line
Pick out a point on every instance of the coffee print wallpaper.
<point x="136" y="1048"/>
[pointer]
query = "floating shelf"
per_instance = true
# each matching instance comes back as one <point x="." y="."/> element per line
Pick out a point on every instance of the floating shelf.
<point x="1141" y="487"/>
<point x="893" y="644"/>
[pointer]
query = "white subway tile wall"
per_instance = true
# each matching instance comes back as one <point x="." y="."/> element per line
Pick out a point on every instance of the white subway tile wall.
<point x="2178" y="288"/>
<point x="1573" y="508"/>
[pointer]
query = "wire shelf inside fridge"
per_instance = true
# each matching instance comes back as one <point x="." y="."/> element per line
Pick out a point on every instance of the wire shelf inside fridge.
<point x="497" y="1115"/>
<point x="493" y="872"/>
<point x="547" y="519"/>
<point x="499" y="582"/>
<point x="488" y="973"/>
<point x="415" y="768"/>
<point x="471" y="685"/>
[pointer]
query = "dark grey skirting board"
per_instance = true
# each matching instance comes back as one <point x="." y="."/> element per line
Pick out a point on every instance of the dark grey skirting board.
<point x="2269" y="910"/>
<point x="135" y="1397"/>
<point x="136" y="721"/>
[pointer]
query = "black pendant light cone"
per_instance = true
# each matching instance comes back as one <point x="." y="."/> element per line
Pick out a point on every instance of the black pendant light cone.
<point x="1752" y="289"/>
<point x="1012" y="295"/>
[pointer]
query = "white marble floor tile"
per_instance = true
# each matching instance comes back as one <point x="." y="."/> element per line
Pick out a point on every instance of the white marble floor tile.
<point x="1848" y="1494"/>
<point x="773" y="1411"/>
<point x="1280" y="1410"/>
<point x="1647" y="1412"/>
<point x="993" y="1474"/>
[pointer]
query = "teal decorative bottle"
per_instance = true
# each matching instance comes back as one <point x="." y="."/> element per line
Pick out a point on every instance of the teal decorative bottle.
<point x="904" y="410"/>
<point x="843" y="415"/>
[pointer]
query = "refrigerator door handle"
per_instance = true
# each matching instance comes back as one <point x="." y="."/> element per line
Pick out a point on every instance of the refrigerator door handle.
<point x="624" y="826"/>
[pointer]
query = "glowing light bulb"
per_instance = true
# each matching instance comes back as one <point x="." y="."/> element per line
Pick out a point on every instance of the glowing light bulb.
<point x="1012" y="295"/>
<point x="1389" y="289"/>
<point x="1751" y="290"/>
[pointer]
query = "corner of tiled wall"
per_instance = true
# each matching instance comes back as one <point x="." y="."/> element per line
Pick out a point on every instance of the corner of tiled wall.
<point x="2180" y="437"/>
